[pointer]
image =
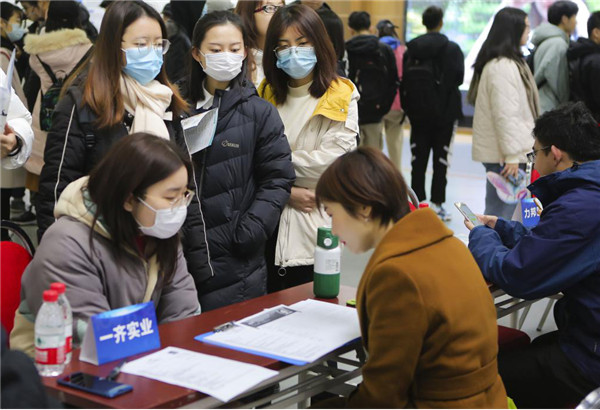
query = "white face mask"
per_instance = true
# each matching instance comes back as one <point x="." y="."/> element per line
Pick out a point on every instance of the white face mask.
<point x="223" y="66"/>
<point x="167" y="222"/>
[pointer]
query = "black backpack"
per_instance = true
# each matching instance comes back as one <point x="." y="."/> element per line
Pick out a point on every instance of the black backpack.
<point x="421" y="87"/>
<point x="529" y="61"/>
<point x="51" y="96"/>
<point x="577" y="92"/>
<point x="375" y="83"/>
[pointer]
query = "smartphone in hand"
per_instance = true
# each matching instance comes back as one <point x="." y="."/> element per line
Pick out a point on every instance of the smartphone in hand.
<point x="467" y="213"/>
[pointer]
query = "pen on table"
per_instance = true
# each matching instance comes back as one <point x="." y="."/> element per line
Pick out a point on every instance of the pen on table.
<point x="114" y="373"/>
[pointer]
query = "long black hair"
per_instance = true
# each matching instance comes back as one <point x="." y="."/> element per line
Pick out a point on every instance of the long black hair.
<point x="504" y="38"/>
<point x="195" y="91"/>
<point x="133" y="164"/>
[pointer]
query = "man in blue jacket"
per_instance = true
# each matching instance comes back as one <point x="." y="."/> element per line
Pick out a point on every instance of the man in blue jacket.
<point x="561" y="254"/>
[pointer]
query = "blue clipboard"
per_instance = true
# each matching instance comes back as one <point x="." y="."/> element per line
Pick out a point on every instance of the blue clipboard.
<point x="202" y="337"/>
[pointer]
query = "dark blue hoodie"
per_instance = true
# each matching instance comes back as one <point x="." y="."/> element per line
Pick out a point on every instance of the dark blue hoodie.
<point x="561" y="254"/>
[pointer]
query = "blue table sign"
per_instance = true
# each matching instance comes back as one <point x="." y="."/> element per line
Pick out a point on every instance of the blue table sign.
<point x="120" y="333"/>
<point x="529" y="213"/>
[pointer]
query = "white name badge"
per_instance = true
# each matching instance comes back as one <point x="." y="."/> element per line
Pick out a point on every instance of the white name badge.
<point x="199" y="130"/>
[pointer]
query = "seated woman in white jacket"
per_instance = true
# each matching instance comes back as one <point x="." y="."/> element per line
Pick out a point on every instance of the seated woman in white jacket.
<point x="320" y="115"/>
<point x="506" y="102"/>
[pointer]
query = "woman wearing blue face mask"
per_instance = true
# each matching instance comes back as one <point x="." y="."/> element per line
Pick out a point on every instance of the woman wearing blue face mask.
<point x="320" y="114"/>
<point x="11" y="34"/>
<point x="115" y="241"/>
<point x="122" y="88"/>
<point x="243" y="178"/>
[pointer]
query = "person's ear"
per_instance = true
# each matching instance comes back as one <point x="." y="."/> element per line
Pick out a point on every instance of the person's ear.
<point x="365" y="212"/>
<point x="197" y="56"/>
<point x="595" y="37"/>
<point x="557" y="154"/>
<point x="129" y="203"/>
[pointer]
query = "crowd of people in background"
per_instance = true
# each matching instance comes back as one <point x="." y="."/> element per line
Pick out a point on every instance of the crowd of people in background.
<point x="188" y="158"/>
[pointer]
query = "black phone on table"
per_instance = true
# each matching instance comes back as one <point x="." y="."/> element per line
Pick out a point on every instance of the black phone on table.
<point x="94" y="384"/>
<point x="467" y="213"/>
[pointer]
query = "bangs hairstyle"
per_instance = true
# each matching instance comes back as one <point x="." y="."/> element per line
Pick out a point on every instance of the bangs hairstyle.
<point x="7" y="10"/>
<point x="133" y="164"/>
<point x="504" y="38"/>
<point x="102" y="91"/>
<point x="365" y="177"/>
<point x="197" y="74"/>
<point x="308" y="23"/>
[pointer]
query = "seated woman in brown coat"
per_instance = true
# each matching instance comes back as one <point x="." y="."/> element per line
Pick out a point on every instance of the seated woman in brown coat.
<point x="427" y="318"/>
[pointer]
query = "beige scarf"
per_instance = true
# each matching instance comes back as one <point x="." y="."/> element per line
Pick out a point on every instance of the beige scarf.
<point x="148" y="103"/>
<point x="528" y="81"/>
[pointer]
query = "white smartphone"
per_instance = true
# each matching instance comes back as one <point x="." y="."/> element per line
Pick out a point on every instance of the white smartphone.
<point x="467" y="213"/>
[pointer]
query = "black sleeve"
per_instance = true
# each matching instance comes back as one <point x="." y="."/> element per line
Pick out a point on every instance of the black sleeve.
<point x="274" y="175"/>
<point x="64" y="160"/>
<point x="390" y="58"/>
<point x="456" y="62"/>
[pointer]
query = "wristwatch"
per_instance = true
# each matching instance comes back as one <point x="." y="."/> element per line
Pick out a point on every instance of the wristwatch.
<point x="17" y="148"/>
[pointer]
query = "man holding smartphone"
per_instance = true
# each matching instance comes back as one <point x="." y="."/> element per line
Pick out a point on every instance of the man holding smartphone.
<point x="561" y="254"/>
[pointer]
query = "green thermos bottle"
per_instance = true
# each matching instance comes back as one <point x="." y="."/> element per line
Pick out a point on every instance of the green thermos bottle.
<point x="327" y="265"/>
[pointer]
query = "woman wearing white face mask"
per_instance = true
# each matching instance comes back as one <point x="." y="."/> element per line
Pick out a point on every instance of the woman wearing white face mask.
<point x="120" y="89"/>
<point x="115" y="242"/>
<point x="243" y="179"/>
<point x="320" y="113"/>
<point x="11" y="34"/>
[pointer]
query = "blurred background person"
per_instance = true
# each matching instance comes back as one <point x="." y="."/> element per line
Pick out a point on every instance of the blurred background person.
<point x="179" y="49"/>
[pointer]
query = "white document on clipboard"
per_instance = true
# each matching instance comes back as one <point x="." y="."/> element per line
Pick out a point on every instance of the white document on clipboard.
<point x="6" y="92"/>
<point x="301" y="333"/>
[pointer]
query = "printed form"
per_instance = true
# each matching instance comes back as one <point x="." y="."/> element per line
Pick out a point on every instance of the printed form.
<point x="303" y="332"/>
<point x="221" y="378"/>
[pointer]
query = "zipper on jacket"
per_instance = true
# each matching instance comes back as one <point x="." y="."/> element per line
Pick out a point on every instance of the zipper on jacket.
<point x="199" y="196"/>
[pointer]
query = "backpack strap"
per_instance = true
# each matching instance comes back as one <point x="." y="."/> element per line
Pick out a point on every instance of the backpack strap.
<point x="48" y="70"/>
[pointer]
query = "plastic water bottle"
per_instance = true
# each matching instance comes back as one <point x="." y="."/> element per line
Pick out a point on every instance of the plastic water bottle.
<point x="50" y="336"/>
<point x="327" y="265"/>
<point x="63" y="302"/>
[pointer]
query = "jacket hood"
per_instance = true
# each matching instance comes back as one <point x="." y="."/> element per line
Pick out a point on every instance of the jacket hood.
<point x="55" y="40"/>
<point x="75" y="203"/>
<point x="550" y="187"/>
<point x="393" y="42"/>
<point x="418" y="229"/>
<point x="546" y="31"/>
<point x="427" y="46"/>
<point x="582" y="47"/>
<point x="363" y="44"/>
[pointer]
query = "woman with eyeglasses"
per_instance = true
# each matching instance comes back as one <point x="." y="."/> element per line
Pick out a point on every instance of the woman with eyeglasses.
<point x="256" y="16"/>
<point x="243" y="177"/>
<point x="320" y="114"/>
<point x="122" y="88"/>
<point x="506" y="102"/>
<point x="115" y="242"/>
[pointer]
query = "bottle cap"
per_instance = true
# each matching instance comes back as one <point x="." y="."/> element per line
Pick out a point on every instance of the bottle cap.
<point x="423" y="205"/>
<point x="50" y="296"/>
<point x="58" y="287"/>
<point x="325" y="239"/>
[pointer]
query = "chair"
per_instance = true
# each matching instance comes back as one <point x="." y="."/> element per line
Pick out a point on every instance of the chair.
<point x="511" y="339"/>
<point x="14" y="260"/>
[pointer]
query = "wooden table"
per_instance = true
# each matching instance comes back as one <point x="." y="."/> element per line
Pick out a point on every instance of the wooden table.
<point x="147" y="393"/>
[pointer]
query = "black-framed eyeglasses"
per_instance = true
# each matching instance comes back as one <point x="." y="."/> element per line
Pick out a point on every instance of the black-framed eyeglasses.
<point x="268" y="8"/>
<point x="531" y="155"/>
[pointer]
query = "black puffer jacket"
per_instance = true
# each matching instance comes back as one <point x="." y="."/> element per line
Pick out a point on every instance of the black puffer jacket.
<point x="584" y="66"/>
<point x="243" y="181"/>
<point x="84" y="148"/>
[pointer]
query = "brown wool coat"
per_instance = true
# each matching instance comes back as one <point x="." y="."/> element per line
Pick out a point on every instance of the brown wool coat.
<point x="428" y="323"/>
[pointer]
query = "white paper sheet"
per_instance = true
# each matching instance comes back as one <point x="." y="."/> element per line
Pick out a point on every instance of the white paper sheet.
<point x="221" y="378"/>
<point x="199" y="130"/>
<point x="304" y="331"/>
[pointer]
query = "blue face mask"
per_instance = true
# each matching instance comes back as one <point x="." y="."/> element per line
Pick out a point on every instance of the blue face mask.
<point x="143" y="64"/>
<point x="17" y="33"/>
<point x="297" y="62"/>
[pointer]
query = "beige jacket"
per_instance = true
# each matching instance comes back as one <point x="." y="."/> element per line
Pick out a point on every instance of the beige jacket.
<point x="503" y="120"/>
<point x="330" y="132"/>
<point x="61" y="50"/>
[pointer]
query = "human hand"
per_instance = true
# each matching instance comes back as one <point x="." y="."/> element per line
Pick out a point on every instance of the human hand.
<point x="302" y="199"/>
<point x="487" y="220"/>
<point x="8" y="141"/>
<point x="510" y="169"/>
